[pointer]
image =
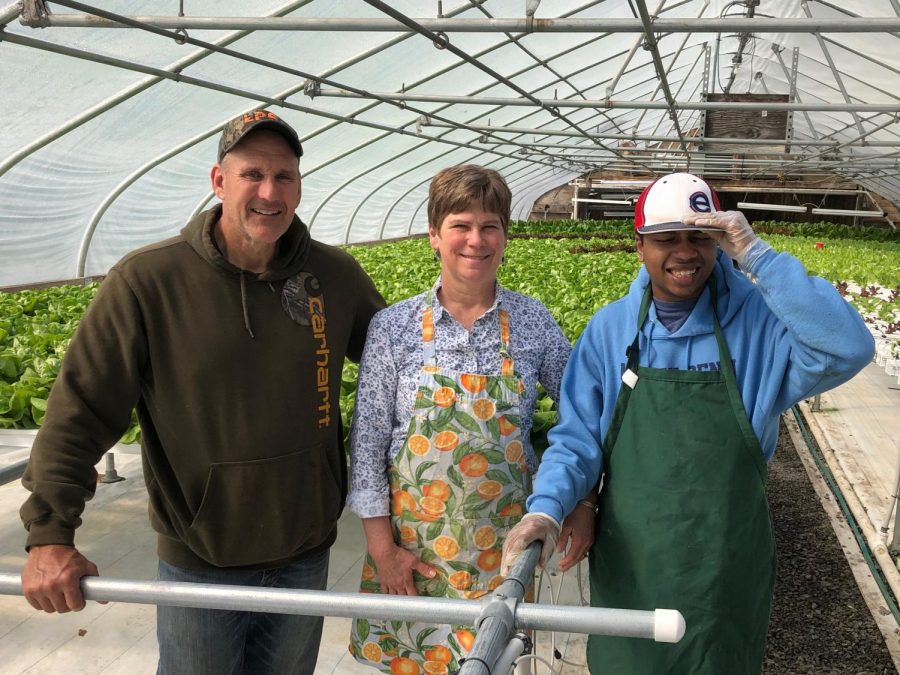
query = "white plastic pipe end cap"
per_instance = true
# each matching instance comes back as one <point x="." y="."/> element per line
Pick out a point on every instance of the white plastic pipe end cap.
<point x="668" y="625"/>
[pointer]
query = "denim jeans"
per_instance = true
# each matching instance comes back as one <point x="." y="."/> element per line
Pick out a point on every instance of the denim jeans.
<point x="196" y="641"/>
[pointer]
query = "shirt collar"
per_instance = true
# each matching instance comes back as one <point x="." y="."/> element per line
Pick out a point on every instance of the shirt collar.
<point x="439" y="311"/>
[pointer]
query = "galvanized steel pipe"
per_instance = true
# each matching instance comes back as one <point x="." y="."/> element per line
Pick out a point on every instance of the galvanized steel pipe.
<point x="496" y="624"/>
<point x="270" y="600"/>
<point x="741" y="26"/>
<point x="628" y="623"/>
<point x="613" y="103"/>
<point x="12" y="472"/>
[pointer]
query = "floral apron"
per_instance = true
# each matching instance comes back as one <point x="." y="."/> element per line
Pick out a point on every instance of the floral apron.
<point x="458" y="485"/>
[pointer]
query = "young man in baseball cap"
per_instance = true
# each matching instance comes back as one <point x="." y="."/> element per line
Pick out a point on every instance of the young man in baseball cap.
<point x="672" y="395"/>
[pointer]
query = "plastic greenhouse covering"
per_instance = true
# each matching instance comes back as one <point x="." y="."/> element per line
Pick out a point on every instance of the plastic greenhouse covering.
<point x="112" y="110"/>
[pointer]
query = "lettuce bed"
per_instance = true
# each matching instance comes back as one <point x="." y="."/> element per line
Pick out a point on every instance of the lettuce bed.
<point x="573" y="267"/>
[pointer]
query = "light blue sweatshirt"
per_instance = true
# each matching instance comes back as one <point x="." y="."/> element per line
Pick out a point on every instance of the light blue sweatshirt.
<point x="791" y="336"/>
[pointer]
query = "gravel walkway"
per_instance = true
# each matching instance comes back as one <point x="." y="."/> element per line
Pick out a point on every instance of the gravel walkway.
<point x="820" y="623"/>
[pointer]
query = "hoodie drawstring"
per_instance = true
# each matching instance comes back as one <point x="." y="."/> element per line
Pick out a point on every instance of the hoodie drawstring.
<point x="244" y="305"/>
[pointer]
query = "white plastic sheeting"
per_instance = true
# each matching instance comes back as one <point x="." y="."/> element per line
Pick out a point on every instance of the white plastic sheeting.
<point x="102" y="150"/>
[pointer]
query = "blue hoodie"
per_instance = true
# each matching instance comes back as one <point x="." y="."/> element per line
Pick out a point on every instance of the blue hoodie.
<point x="791" y="336"/>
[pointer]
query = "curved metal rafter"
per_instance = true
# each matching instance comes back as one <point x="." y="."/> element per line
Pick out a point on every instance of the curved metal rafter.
<point x="383" y="7"/>
<point x="229" y="52"/>
<point x="849" y="120"/>
<point x="563" y="79"/>
<point x="322" y="203"/>
<point x="128" y="93"/>
<point x="148" y="166"/>
<point x="119" y="189"/>
<point x="650" y="45"/>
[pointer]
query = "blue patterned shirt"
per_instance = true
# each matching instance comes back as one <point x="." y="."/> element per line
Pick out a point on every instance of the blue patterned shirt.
<point x="389" y="374"/>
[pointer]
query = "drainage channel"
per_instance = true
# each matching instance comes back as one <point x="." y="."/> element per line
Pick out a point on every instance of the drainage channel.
<point x="875" y="568"/>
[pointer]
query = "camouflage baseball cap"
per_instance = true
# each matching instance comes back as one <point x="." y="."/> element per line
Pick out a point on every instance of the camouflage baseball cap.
<point x="242" y="125"/>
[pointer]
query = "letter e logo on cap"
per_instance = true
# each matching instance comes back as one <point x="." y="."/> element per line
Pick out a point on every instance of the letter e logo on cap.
<point x="699" y="202"/>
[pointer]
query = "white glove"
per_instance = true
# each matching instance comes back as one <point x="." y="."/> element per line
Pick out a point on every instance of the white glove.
<point x="738" y="239"/>
<point x="532" y="527"/>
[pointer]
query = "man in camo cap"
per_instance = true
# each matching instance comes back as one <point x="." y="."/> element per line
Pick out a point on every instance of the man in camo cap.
<point x="229" y="339"/>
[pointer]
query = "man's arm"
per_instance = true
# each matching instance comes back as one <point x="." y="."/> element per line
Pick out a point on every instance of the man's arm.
<point x="825" y="337"/>
<point x="571" y="465"/>
<point x="368" y="301"/>
<point x="88" y="411"/>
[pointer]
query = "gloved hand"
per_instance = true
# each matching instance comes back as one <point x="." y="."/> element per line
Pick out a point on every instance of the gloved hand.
<point x="532" y="527"/>
<point x="738" y="239"/>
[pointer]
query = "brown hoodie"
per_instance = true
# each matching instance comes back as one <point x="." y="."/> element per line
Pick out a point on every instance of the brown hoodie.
<point x="236" y="379"/>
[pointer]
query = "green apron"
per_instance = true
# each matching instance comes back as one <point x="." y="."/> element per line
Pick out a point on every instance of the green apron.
<point x="683" y="522"/>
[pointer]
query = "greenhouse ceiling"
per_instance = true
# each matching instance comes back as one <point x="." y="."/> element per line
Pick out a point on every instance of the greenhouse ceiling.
<point x="113" y="115"/>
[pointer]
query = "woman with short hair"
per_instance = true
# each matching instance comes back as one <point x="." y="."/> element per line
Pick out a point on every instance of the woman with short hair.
<point x="441" y="461"/>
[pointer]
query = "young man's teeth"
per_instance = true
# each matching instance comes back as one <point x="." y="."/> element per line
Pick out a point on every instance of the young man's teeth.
<point x="682" y="273"/>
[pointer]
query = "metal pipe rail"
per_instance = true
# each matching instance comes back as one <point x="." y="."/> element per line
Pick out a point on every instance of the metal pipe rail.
<point x="612" y="103"/>
<point x="10" y="12"/>
<point x="620" y="622"/>
<point x="13" y="472"/>
<point x="725" y="140"/>
<point x="496" y="644"/>
<point x="741" y="26"/>
<point x="660" y="625"/>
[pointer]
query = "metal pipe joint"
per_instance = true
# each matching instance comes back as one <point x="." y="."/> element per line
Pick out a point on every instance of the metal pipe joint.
<point x="500" y="607"/>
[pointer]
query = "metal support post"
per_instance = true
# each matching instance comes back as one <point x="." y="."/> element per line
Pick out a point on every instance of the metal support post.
<point x="708" y="77"/>
<point x="895" y="504"/>
<point x="496" y="624"/>
<point x="789" y="128"/>
<point x="817" y="403"/>
<point x="502" y="614"/>
<point x="110" y="475"/>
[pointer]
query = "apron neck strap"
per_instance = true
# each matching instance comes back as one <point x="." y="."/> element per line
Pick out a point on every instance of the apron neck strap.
<point x="725" y="364"/>
<point x="506" y="363"/>
<point x="507" y="367"/>
<point x="632" y="352"/>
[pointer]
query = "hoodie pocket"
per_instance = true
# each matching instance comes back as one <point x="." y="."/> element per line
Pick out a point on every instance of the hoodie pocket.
<point x="266" y="510"/>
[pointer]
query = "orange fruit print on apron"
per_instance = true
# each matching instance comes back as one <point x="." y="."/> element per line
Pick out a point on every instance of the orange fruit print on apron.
<point x="458" y="484"/>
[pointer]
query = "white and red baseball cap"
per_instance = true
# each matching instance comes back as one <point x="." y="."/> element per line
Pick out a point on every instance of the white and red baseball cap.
<point x="667" y="200"/>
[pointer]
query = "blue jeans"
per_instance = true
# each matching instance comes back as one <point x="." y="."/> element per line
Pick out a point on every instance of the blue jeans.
<point x="221" y="642"/>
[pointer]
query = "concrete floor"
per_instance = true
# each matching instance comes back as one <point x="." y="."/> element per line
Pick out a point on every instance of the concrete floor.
<point x="119" y="638"/>
<point x="860" y="420"/>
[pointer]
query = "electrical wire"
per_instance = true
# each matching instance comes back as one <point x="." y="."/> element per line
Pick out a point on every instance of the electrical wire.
<point x="555" y="591"/>
<point x="540" y="659"/>
<point x="752" y="55"/>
